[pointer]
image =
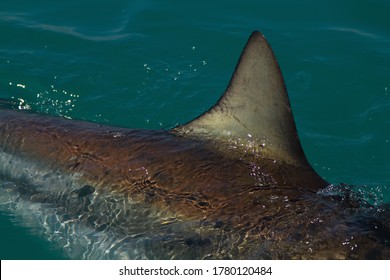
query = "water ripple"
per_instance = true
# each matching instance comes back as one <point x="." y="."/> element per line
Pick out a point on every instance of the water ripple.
<point x="115" y="34"/>
<point x="354" y="31"/>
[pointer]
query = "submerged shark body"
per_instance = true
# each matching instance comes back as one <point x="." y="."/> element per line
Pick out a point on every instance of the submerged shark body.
<point x="232" y="184"/>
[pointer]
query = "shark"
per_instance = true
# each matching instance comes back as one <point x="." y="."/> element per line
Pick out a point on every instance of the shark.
<point x="234" y="183"/>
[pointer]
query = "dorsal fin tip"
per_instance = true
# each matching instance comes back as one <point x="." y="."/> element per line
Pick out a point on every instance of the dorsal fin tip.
<point x="254" y="109"/>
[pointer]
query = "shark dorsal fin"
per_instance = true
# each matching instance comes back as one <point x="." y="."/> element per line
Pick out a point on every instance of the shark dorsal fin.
<point x="255" y="109"/>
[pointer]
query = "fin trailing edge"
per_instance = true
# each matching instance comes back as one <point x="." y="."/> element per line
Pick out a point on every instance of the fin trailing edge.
<point x="254" y="110"/>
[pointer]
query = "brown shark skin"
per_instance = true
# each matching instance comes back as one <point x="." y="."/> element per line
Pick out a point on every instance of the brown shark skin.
<point x="155" y="164"/>
<point x="270" y="208"/>
<point x="187" y="179"/>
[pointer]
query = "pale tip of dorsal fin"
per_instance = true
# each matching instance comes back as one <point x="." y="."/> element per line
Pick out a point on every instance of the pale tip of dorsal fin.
<point x="254" y="112"/>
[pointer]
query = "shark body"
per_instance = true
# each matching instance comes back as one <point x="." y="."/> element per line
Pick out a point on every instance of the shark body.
<point x="232" y="184"/>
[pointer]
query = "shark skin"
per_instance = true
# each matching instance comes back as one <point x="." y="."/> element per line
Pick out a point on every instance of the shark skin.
<point x="232" y="184"/>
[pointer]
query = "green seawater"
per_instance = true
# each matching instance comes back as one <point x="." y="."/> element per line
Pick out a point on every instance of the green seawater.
<point x="156" y="64"/>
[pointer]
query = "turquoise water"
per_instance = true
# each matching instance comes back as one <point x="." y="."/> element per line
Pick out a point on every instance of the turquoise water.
<point x="155" y="64"/>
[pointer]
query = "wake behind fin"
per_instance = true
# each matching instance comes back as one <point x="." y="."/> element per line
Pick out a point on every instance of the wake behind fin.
<point x="254" y="110"/>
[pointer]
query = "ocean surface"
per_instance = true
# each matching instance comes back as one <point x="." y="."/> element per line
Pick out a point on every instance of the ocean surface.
<point x="155" y="64"/>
